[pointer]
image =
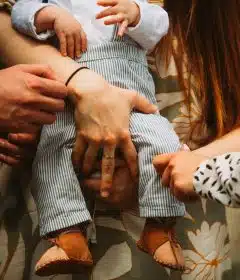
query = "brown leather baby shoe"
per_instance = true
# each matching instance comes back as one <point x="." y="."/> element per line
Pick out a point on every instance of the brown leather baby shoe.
<point x="160" y="242"/>
<point x="69" y="254"/>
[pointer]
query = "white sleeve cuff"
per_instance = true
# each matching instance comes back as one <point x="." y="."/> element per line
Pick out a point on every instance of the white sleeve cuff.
<point x="153" y="25"/>
<point x="43" y="35"/>
<point x="23" y="19"/>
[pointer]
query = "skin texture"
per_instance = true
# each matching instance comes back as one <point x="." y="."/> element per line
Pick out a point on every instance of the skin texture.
<point x="72" y="38"/>
<point x="90" y="94"/>
<point x="30" y="97"/>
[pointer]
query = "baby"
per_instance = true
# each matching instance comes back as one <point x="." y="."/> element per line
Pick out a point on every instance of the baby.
<point x="116" y="49"/>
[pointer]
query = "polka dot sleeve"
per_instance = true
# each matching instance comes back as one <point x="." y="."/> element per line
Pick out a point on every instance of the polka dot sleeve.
<point x="219" y="179"/>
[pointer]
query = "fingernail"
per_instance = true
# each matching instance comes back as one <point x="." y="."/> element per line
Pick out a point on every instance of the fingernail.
<point x="105" y="194"/>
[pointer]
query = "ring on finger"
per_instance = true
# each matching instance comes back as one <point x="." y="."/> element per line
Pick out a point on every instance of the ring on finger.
<point x="108" y="156"/>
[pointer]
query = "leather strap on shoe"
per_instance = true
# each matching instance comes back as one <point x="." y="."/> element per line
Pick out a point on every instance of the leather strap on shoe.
<point x="74" y="244"/>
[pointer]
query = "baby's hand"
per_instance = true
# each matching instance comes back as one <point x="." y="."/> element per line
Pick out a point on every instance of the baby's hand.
<point x="123" y="12"/>
<point x="72" y="38"/>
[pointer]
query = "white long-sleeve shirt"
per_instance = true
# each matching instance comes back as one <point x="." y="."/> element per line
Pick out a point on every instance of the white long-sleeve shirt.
<point x="152" y="27"/>
<point x="219" y="179"/>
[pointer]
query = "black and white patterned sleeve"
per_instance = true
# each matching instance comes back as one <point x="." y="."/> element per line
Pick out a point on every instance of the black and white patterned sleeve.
<point x="219" y="179"/>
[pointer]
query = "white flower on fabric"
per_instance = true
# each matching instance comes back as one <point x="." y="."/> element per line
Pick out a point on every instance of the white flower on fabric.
<point x="209" y="258"/>
<point x="115" y="263"/>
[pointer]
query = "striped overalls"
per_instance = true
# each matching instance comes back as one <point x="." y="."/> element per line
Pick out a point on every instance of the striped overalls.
<point x="57" y="193"/>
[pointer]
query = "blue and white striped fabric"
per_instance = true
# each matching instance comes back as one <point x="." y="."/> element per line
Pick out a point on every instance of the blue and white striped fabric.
<point x="57" y="192"/>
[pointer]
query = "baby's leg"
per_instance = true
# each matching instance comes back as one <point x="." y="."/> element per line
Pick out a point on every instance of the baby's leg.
<point x="153" y="135"/>
<point x="58" y="197"/>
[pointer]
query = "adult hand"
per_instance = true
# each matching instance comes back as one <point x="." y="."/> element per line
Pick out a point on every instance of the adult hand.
<point x="123" y="194"/>
<point x="177" y="171"/>
<point x="18" y="148"/>
<point x="30" y="96"/>
<point x="102" y="115"/>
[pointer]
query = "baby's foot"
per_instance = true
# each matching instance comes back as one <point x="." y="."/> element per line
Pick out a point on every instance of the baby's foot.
<point x="159" y="241"/>
<point x="69" y="254"/>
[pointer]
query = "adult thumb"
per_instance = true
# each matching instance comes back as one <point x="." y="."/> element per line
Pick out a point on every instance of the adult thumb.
<point x="141" y="104"/>
<point x="160" y="162"/>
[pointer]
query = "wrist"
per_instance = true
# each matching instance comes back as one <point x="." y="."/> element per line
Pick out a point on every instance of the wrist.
<point x="45" y="18"/>
<point x="136" y="15"/>
<point x="86" y="82"/>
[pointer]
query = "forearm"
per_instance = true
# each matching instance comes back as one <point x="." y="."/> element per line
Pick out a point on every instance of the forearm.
<point x="17" y="49"/>
<point x="228" y="143"/>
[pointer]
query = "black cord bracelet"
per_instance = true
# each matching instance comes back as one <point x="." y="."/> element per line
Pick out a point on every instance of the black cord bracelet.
<point x="74" y="73"/>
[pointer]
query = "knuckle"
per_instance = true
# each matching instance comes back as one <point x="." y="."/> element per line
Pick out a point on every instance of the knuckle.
<point x="81" y="133"/>
<point x="107" y="181"/>
<point x="178" y="184"/>
<point x="110" y="139"/>
<point x="124" y="135"/>
<point x="96" y="139"/>
<point x="19" y="67"/>
<point x="18" y="113"/>
<point x="172" y="164"/>
<point x="47" y="68"/>
<point x="32" y="83"/>
<point x="107" y="169"/>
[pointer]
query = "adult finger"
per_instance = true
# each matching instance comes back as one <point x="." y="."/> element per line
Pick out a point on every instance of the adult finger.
<point x="141" y="104"/>
<point x="160" y="162"/>
<point x="70" y="46"/>
<point x="166" y="176"/>
<point x="90" y="158"/>
<point x="49" y="88"/>
<point x="35" y="117"/>
<point x="78" y="151"/>
<point x="20" y="126"/>
<point x="78" y="44"/>
<point x="40" y="70"/>
<point x="10" y="148"/>
<point x="62" y="42"/>
<point x="108" y="166"/>
<point x="9" y="160"/>
<point x="46" y="104"/>
<point x="130" y="156"/>
<point x="123" y="28"/>
<point x="23" y="138"/>
<point x="93" y="184"/>
<point x="118" y="163"/>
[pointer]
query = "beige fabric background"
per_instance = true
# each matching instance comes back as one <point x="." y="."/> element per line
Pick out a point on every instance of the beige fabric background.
<point x="203" y="232"/>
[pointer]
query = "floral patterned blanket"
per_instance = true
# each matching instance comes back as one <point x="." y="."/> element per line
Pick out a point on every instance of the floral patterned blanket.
<point x="203" y="232"/>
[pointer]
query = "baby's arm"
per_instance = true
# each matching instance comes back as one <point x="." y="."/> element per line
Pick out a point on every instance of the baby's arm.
<point x="42" y="21"/>
<point x="218" y="179"/>
<point x="149" y="26"/>
<point x="24" y="12"/>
